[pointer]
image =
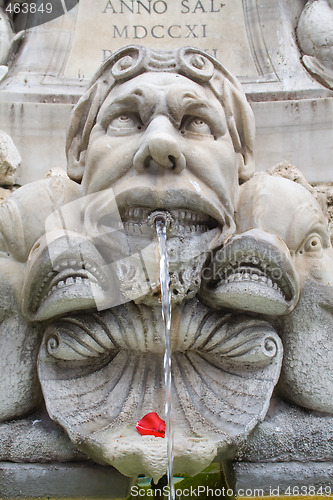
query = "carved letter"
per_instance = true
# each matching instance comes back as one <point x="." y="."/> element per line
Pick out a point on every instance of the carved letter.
<point x="164" y="6"/>
<point x="136" y="34"/>
<point x="198" y="6"/>
<point x="170" y="33"/>
<point x="106" y="54"/>
<point x="109" y="6"/>
<point x="117" y="31"/>
<point x="148" y="9"/>
<point x="186" y="7"/>
<point x="131" y="9"/>
<point x="191" y="31"/>
<point x="153" y="31"/>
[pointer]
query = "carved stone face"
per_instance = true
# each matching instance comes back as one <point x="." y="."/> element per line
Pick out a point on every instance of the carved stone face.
<point x="161" y="142"/>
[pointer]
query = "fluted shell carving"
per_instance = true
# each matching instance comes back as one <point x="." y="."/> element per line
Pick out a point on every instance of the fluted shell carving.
<point x="100" y="373"/>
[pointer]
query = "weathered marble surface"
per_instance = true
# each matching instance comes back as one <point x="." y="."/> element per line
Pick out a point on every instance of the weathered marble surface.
<point x="180" y="109"/>
<point x="171" y="133"/>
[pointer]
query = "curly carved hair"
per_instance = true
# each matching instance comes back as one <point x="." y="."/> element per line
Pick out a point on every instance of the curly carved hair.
<point x="192" y="63"/>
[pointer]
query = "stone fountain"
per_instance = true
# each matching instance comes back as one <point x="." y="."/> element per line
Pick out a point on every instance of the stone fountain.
<point x="171" y="132"/>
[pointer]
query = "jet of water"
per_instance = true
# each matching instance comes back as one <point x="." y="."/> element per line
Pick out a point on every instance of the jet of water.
<point x="161" y="228"/>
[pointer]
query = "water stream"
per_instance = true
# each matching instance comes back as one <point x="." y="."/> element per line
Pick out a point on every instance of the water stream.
<point x="161" y="226"/>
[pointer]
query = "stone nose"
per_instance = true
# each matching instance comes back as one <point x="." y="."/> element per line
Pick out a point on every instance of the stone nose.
<point x="160" y="149"/>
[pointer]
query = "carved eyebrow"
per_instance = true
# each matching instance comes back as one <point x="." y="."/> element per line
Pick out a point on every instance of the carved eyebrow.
<point x="138" y="100"/>
<point x="314" y="223"/>
<point x="194" y="103"/>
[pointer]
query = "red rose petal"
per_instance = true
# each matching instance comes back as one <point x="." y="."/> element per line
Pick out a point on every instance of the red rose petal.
<point x="151" y="425"/>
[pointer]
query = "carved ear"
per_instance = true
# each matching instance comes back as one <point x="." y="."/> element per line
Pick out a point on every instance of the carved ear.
<point x="242" y="131"/>
<point x="82" y="121"/>
<point x="75" y="160"/>
<point x="241" y="124"/>
<point x="245" y="164"/>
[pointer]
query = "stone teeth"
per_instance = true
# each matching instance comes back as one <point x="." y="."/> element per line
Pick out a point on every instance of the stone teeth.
<point x="233" y="276"/>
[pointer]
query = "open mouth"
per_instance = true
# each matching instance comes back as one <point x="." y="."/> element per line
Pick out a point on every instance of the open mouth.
<point x="67" y="274"/>
<point x="64" y="273"/>
<point x="252" y="274"/>
<point x="257" y="270"/>
<point x="139" y="221"/>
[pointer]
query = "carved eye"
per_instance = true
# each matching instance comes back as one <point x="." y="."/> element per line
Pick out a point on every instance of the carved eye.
<point x="312" y="244"/>
<point x="195" y="125"/>
<point x="125" y="122"/>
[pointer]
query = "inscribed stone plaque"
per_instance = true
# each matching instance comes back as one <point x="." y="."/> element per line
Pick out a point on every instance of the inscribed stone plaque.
<point x="216" y="26"/>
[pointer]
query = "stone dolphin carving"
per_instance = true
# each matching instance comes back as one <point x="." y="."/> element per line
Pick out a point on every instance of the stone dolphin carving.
<point x="294" y="234"/>
<point x="22" y="222"/>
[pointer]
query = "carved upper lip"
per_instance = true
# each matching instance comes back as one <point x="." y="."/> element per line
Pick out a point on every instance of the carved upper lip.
<point x="171" y="199"/>
<point x="111" y="214"/>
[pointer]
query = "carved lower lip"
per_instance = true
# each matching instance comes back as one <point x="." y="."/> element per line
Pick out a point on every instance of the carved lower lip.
<point x="73" y="279"/>
<point x="252" y="275"/>
<point x="61" y="276"/>
<point x="260" y="272"/>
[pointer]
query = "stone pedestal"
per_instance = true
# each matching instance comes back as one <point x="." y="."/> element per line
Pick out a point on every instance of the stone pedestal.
<point x="61" y="481"/>
<point x="290" y="453"/>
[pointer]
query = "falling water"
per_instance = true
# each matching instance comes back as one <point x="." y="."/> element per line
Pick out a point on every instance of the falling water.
<point x="161" y="226"/>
